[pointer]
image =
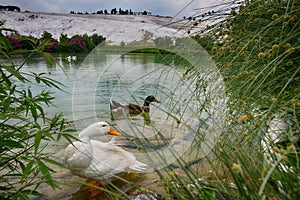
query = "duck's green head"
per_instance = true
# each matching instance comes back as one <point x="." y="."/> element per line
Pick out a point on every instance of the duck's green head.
<point x="150" y="99"/>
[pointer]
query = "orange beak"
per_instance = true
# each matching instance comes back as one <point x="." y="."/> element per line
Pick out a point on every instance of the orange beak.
<point x="155" y="100"/>
<point x="113" y="132"/>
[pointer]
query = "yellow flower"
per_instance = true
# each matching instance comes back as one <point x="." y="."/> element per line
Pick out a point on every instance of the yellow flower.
<point x="274" y="99"/>
<point x="285" y="158"/>
<point x="172" y="173"/>
<point x="244" y="117"/>
<point x="293" y="18"/>
<point x="139" y="148"/>
<point x="289" y="63"/>
<point x="236" y="168"/>
<point x="295" y="102"/>
<point x="287" y="45"/>
<point x="238" y="49"/>
<point x="275" y="47"/>
<point x="261" y="55"/>
<point x="291" y="148"/>
<point x="287" y="17"/>
<point x="274" y="16"/>
<point x="225" y="64"/>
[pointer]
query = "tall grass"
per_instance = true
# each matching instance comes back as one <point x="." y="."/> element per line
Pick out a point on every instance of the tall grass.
<point x="259" y="61"/>
<point x="260" y="64"/>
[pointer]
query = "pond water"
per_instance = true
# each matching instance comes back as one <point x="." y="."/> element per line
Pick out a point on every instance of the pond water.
<point x="92" y="80"/>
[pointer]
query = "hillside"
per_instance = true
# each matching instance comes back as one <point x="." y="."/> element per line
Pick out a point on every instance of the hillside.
<point x="116" y="28"/>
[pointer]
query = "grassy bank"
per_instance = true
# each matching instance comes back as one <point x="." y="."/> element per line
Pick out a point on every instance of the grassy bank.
<point x="132" y="49"/>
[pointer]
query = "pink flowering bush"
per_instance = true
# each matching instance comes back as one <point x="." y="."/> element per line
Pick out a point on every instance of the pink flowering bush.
<point x="80" y="42"/>
<point x="50" y="48"/>
<point x="15" y="42"/>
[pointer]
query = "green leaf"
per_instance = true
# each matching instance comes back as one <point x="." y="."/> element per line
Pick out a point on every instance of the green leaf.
<point x="4" y="116"/>
<point x="46" y="174"/>
<point x="37" y="79"/>
<point x="5" y="78"/>
<point x="15" y="174"/>
<point x="15" y="73"/>
<point x="12" y="90"/>
<point x="62" y="125"/>
<point x="28" y="168"/>
<point x="53" y="162"/>
<point x="48" y="134"/>
<point x="21" y="51"/>
<point x="55" y="120"/>
<point x="10" y="143"/>
<point x="29" y="93"/>
<point x="33" y="112"/>
<point x="37" y="141"/>
<point x="21" y="165"/>
<point x="41" y="111"/>
<point x="68" y="137"/>
<point x="6" y="103"/>
<point x="69" y="131"/>
<point x="5" y="188"/>
<point x="44" y="169"/>
<point x="32" y="192"/>
<point x="209" y="194"/>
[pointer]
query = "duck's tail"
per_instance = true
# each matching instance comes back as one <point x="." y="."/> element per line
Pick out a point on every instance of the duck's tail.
<point x="115" y="105"/>
<point x="138" y="166"/>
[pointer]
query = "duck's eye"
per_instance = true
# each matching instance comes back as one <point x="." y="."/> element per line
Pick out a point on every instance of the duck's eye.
<point x="104" y="125"/>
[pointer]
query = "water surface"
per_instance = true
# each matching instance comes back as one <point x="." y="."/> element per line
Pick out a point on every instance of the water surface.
<point x="91" y="81"/>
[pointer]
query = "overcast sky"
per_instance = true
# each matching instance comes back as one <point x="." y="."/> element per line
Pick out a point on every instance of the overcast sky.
<point x="156" y="7"/>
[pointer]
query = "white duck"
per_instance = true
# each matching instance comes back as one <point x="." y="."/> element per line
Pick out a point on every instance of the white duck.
<point x="99" y="160"/>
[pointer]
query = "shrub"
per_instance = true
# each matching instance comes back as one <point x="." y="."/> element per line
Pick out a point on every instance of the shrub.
<point x="25" y="126"/>
<point x="88" y="41"/>
<point x="51" y="46"/>
<point x="28" y="42"/>
<point x="79" y="42"/>
<point x="15" y="41"/>
<point x="46" y="35"/>
<point x="64" y="38"/>
<point x="97" y="39"/>
<point x="72" y="48"/>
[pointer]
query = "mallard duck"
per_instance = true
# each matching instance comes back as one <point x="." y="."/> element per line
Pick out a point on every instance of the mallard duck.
<point x="132" y="109"/>
<point x="99" y="160"/>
